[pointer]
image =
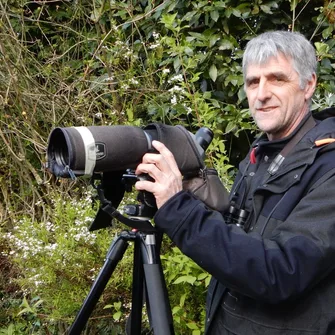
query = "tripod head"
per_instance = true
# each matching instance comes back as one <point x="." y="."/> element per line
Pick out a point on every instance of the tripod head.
<point x="110" y="190"/>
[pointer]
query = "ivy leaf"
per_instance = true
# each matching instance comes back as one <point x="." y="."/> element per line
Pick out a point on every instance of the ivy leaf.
<point x="202" y="276"/>
<point x="266" y="9"/>
<point x="185" y="279"/>
<point x="231" y="126"/>
<point x="327" y="32"/>
<point x="176" y="64"/>
<point x="130" y="114"/>
<point x="226" y="45"/>
<point x="294" y="4"/>
<point x="169" y="20"/>
<point x="108" y="306"/>
<point x="215" y="15"/>
<point x="207" y="95"/>
<point x="117" y="316"/>
<point x="241" y="94"/>
<point x="213" y="72"/>
<point x="176" y="309"/>
<point x="182" y="300"/>
<point x="255" y="10"/>
<point x="188" y="51"/>
<point x="322" y="49"/>
<point x="192" y="325"/>
<point x="213" y="40"/>
<point x="226" y="27"/>
<point x="228" y="12"/>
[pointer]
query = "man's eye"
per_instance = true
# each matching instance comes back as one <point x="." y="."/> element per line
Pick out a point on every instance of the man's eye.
<point x="279" y="79"/>
<point x="253" y="83"/>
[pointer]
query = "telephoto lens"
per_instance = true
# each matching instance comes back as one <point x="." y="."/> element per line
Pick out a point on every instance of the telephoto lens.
<point x="85" y="150"/>
<point x="78" y="151"/>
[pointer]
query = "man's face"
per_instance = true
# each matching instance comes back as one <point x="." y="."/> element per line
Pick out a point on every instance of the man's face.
<point x="276" y="100"/>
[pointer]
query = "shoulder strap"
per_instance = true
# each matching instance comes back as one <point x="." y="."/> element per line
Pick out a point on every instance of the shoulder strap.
<point x="308" y="125"/>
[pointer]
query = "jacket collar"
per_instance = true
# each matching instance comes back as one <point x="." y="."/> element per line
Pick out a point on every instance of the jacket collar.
<point x="304" y="153"/>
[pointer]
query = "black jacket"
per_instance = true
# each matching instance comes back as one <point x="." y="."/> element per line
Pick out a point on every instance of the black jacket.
<point x="279" y="276"/>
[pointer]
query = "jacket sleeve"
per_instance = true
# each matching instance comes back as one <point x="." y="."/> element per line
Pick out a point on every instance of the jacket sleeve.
<point x="298" y="254"/>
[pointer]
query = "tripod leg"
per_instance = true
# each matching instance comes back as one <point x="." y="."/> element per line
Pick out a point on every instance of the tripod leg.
<point x="134" y="322"/>
<point x="157" y="296"/>
<point x="114" y="255"/>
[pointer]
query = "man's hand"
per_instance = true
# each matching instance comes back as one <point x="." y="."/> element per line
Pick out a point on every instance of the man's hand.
<point x="163" y="168"/>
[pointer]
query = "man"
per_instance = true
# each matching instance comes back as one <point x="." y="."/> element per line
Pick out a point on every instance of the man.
<point x="274" y="271"/>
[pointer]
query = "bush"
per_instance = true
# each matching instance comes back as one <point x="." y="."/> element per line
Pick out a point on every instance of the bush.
<point x="118" y="62"/>
<point x="58" y="260"/>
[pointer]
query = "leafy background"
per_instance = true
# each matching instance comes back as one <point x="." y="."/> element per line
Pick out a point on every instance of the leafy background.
<point x="100" y="62"/>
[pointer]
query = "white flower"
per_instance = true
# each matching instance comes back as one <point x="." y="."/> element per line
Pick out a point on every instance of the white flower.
<point x="177" y="77"/>
<point x="188" y="109"/>
<point x="175" y="89"/>
<point x="134" y="81"/>
<point x="154" y="46"/>
<point x="111" y="78"/>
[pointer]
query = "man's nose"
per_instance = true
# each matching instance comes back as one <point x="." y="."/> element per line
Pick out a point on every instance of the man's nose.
<point x="263" y="92"/>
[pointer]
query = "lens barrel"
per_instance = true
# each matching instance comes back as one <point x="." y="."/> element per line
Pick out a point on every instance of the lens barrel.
<point x="78" y="151"/>
<point x="84" y="150"/>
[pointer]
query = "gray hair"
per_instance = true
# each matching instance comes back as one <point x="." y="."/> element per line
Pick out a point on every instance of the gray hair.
<point x="292" y="45"/>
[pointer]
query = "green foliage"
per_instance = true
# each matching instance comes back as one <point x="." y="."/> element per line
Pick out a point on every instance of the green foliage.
<point x="53" y="251"/>
<point x="59" y="259"/>
<point x="65" y="63"/>
<point x="187" y="284"/>
<point x="27" y="319"/>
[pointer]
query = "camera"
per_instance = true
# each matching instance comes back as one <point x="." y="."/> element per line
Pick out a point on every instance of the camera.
<point x="83" y="151"/>
<point x="109" y="154"/>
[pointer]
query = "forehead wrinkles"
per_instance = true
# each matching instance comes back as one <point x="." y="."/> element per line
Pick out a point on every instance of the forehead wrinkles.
<point x="275" y="66"/>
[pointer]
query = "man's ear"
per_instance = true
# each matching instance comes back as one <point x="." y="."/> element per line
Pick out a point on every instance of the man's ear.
<point x="310" y="87"/>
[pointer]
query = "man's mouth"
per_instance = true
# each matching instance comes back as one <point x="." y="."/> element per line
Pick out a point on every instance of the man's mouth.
<point x="266" y="109"/>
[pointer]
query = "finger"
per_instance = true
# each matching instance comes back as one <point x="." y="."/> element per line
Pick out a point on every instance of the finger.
<point x="145" y="185"/>
<point x="152" y="158"/>
<point x="159" y="160"/>
<point x="162" y="163"/>
<point x="161" y="148"/>
<point x="151" y="169"/>
<point x="168" y="156"/>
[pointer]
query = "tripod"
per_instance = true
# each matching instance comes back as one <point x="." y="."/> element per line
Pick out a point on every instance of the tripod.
<point x="147" y="275"/>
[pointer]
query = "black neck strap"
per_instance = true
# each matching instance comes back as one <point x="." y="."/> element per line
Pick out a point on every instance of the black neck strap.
<point x="276" y="163"/>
